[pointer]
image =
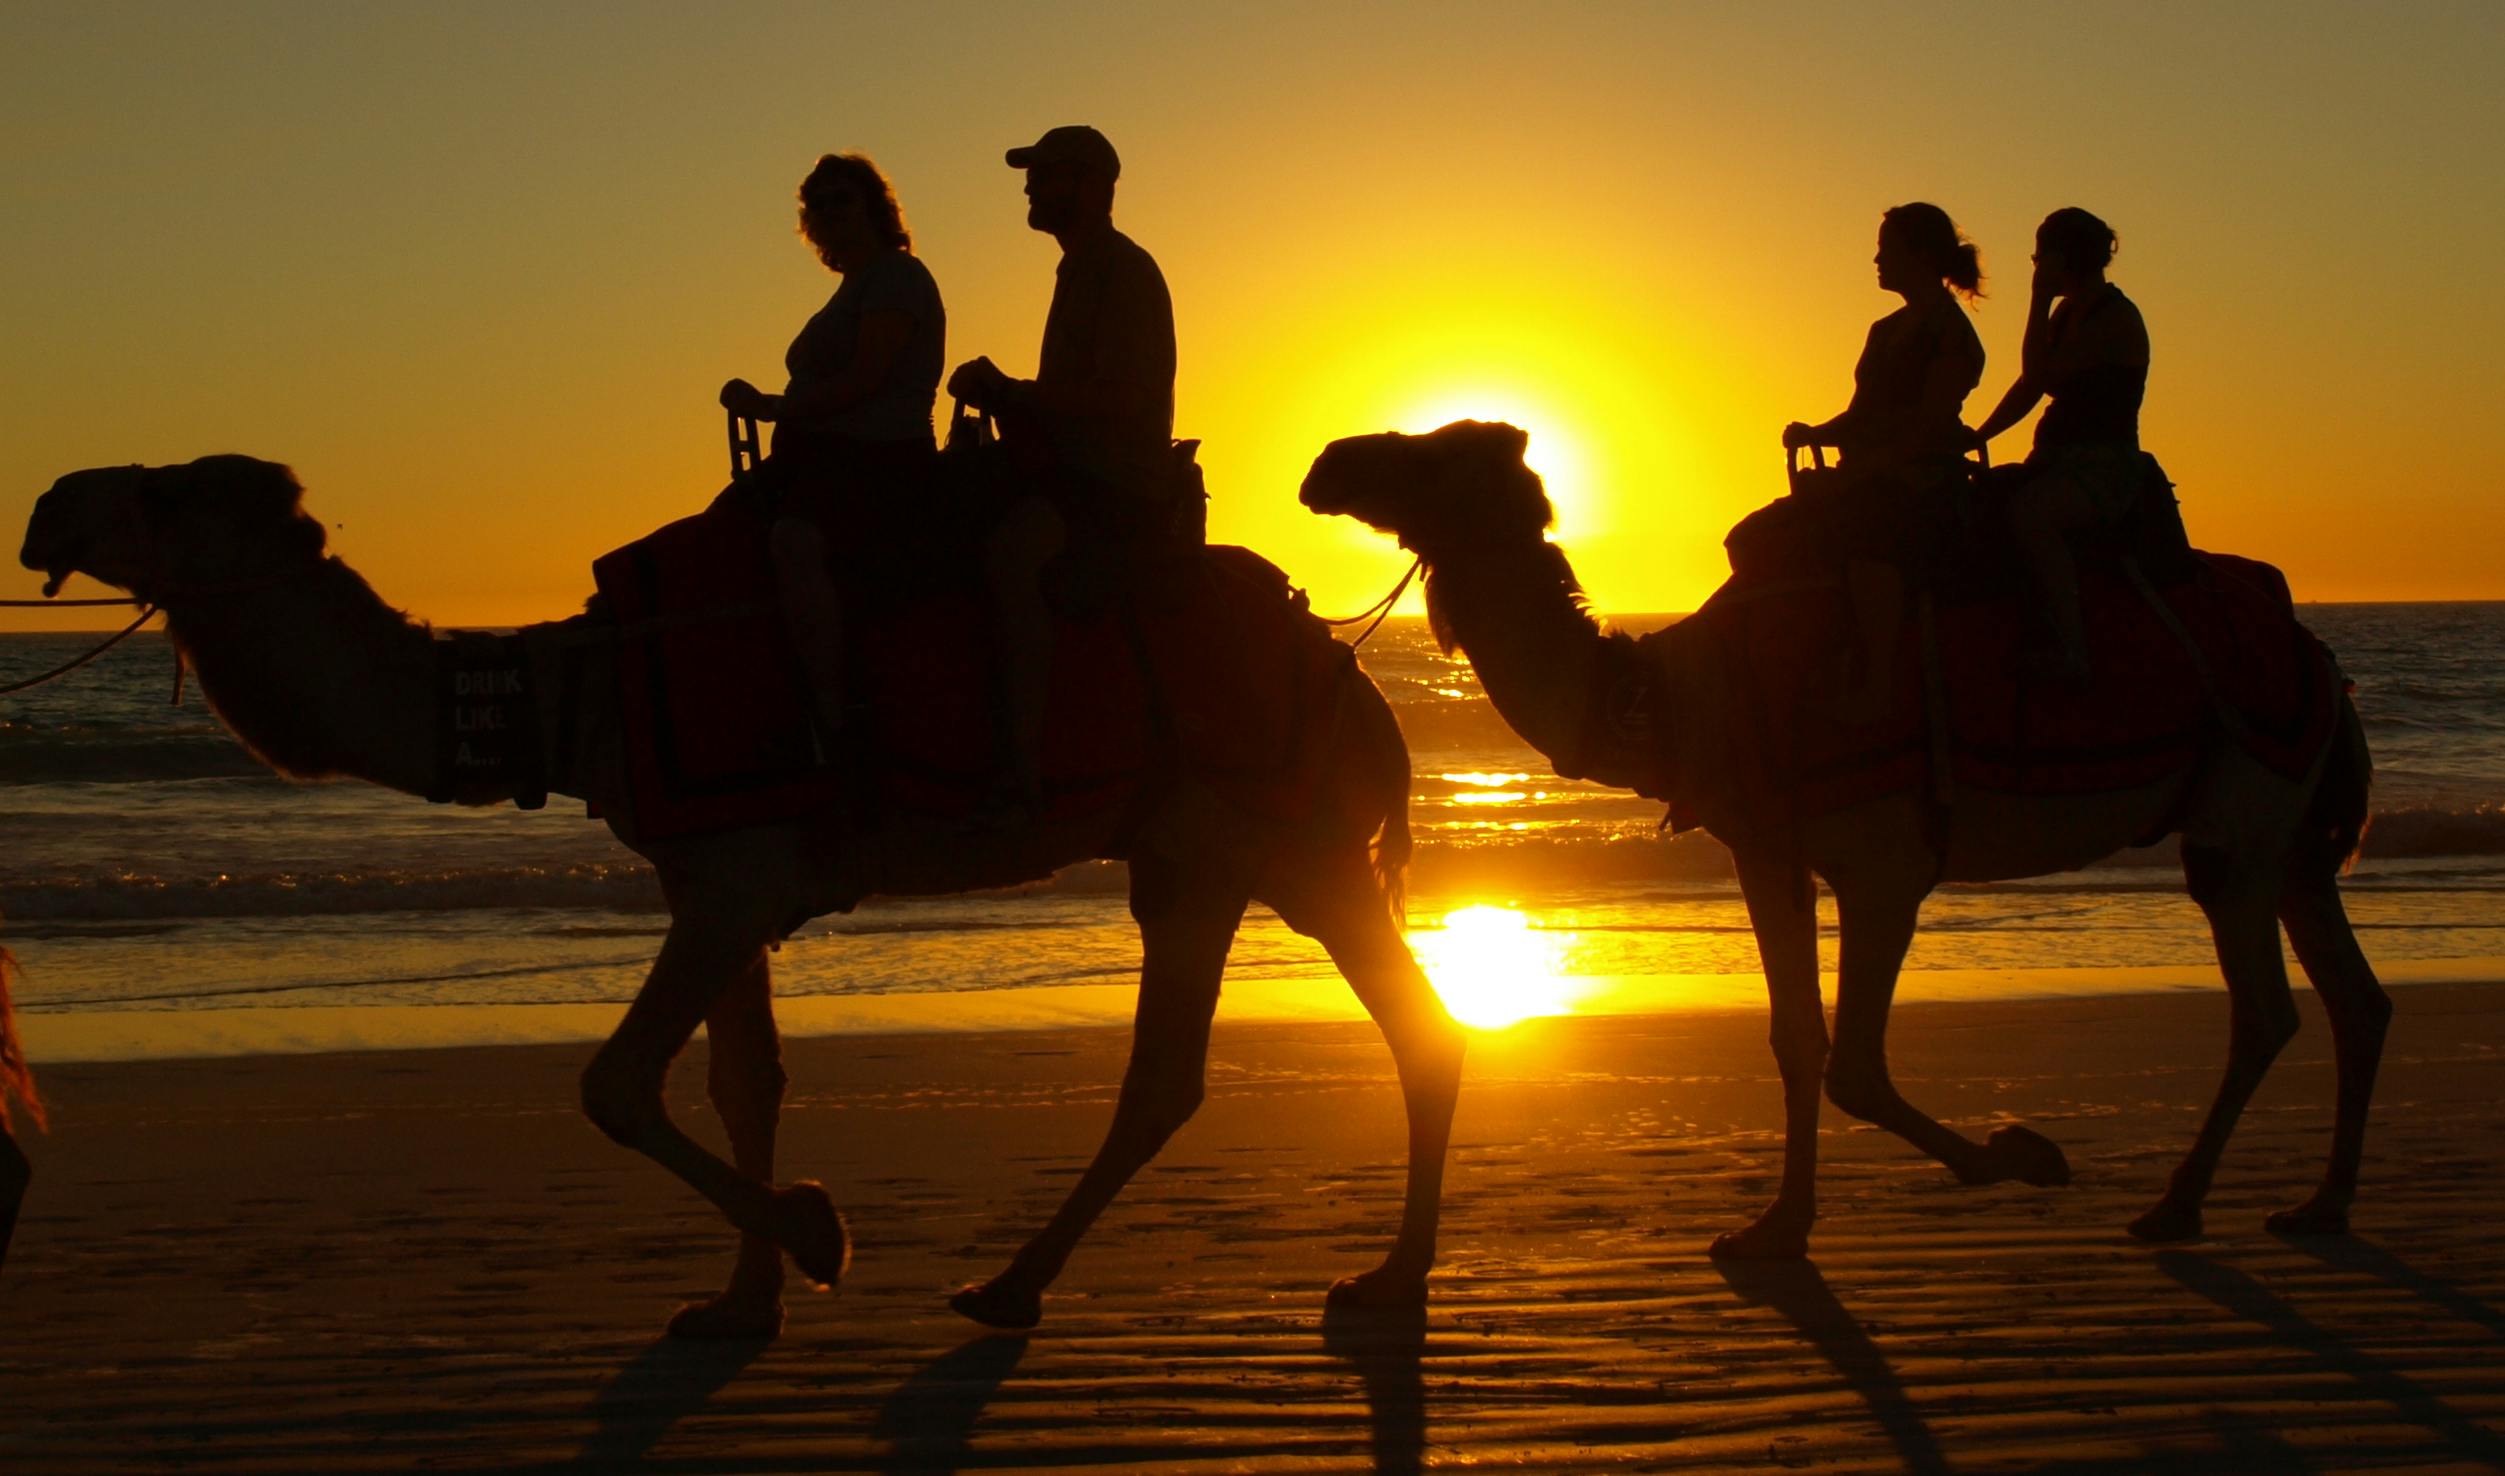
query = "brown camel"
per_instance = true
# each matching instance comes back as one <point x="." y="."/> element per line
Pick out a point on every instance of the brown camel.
<point x="2259" y="851"/>
<point x="320" y="678"/>
<point x="19" y="1082"/>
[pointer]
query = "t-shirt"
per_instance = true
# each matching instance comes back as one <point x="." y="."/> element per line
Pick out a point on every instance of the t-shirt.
<point x="1108" y="358"/>
<point x="1896" y="360"/>
<point x="900" y="409"/>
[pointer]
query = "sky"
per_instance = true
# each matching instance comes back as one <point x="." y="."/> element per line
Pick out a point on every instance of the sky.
<point x="476" y="271"/>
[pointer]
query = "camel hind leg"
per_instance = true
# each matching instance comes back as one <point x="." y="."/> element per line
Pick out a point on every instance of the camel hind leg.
<point x="2360" y="1012"/>
<point x="1187" y="925"/>
<point x="744" y="1077"/>
<point x="1340" y="905"/>
<point x="2240" y="894"/>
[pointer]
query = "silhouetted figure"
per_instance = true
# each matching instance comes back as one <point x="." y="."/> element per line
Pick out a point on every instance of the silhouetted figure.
<point x="18" y="1081"/>
<point x="2090" y="354"/>
<point x="1095" y="425"/>
<point x="1901" y="437"/>
<point x="852" y="427"/>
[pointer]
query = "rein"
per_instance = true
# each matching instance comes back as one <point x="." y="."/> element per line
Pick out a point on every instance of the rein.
<point x="125" y="633"/>
<point x="1381" y="609"/>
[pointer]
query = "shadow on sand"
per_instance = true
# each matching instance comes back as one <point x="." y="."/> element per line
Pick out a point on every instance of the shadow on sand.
<point x="2348" y="1253"/>
<point x="2239" y="1293"/>
<point x="1795" y="1289"/>
<point x="928" y="1423"/>
<point x="1385" y="1347"/>
<point x="666" y="1383"/>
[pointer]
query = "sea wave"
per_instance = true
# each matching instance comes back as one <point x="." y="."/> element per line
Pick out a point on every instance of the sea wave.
<point x="124" y="758"/>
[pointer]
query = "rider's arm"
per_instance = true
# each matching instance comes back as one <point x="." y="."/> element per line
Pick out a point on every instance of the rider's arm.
<point x="2014" y="406"/>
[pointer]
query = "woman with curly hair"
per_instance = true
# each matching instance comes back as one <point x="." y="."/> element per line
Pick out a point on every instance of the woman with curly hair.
<point x="852" y="427"/>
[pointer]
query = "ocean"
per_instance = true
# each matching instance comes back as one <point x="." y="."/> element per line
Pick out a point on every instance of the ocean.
<point x="148" y="866"/>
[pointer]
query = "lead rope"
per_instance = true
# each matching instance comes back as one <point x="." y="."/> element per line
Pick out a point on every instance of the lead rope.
<point x="1381" y="609"/>
<point x="125" y="633"/>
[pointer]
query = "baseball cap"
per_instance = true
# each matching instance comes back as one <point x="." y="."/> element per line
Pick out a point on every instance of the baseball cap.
<point x="1074" y="145"/>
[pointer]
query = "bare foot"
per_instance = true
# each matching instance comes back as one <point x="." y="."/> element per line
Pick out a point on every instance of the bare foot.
<point x="1379" y="1289"/>
<point x="2313" y="1217"/>
<point x="2028" y="1156"/>
<point x="2167" y="1220"/>
<point x="1778" y="1235"/>
<point x="999" y="1303"/>
<point x="729" y="1318"/>
<point x="806" y="1224"/>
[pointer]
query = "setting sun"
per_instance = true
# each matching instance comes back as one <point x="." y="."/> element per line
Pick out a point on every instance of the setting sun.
<point x="1493" y="968"/>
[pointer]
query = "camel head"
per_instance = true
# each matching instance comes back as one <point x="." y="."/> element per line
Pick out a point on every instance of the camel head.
<point x="1465" y="481"/>
<point x="158" y="531"/>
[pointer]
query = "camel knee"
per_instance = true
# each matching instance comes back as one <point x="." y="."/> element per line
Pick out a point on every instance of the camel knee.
<point x="1156" y="1110"/>
<point x="1800" y="1048"/>
<point x="1860" y="1089"/>
<point x="622" y="1097"/>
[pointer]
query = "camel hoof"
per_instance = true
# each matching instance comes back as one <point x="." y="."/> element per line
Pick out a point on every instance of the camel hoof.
<point x="1379" y="1290"/>
<point x="727" y="1319"/>
<point x="2308" y="1218"/>
<point x="1011" y="1309"/>
<point x="2167" y="1222"/>
<point x="2029" y="1157"/>
<point x="1767" y="1240"/>
<point x="806" y="1224"/>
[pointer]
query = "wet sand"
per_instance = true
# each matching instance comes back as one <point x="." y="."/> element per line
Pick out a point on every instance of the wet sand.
<point x="427" y="1259"/>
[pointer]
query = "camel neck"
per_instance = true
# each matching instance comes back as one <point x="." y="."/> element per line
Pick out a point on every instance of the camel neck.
<point x="1516" y="611"/>
<point x="316" y="675"/>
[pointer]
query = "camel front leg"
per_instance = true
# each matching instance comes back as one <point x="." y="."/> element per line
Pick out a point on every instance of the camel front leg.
<point x="1340" y="908"/>
<point x="1782" y="909"/>
<point x="1184" y="939"/>
<point x="744" y="1077"/>
<point x="2360" y="1014"/>
<point x="622" y="1095"/>
<point x="1875" y="918"/>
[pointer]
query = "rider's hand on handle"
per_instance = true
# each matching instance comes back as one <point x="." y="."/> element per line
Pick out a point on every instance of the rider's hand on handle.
<point x="978" y="383"/>
<point x="742" y="398"/>
<point x="1796" y="435"/>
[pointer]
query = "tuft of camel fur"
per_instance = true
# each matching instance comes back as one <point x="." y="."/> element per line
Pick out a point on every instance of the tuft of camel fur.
<point x="318" y="676"/>
<point x="2260" y="853"/>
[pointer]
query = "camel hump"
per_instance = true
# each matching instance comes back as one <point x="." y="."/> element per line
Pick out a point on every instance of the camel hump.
<point x="1234" y="561"/>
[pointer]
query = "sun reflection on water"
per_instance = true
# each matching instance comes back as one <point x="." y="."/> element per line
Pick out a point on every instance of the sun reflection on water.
<point x="1493" y="968"/>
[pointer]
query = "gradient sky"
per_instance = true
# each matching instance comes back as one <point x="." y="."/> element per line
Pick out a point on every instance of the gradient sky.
<point x="477" y="270"/>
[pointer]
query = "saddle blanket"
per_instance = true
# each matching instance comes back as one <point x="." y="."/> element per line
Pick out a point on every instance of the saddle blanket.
<point x="1213" y="669"/>
<point x="2146" y="711"/>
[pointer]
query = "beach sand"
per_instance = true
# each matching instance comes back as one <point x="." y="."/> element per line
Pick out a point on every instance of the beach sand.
<point x="427" y="1259"/>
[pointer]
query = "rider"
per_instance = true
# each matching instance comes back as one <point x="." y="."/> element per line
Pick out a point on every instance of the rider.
<point x="1094" y="427"/>
<point x="1901" y="436"/>
<point x="2090" y="354"/>
<point x="852" y="427"/>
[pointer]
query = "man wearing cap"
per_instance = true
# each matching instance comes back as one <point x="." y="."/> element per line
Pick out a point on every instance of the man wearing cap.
<point x="1095" y="425"/>
<point x="1102" y="399"/>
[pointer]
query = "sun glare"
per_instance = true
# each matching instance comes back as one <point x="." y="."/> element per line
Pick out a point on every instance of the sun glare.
<point x="1492" y="968"/>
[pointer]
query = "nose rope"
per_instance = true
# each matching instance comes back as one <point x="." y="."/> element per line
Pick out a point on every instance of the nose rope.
<point x="109" y="643"/>
<point x="1381" y="609"/>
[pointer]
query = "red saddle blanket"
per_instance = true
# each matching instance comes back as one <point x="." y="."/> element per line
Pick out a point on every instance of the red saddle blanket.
<point x="2012" y="726"/>
<point x="1212" y="670"/>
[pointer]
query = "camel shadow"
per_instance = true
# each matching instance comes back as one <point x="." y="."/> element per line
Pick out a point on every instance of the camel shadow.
<point x="2349" y="1253"/>
<point x="1800" y="1293"/>
<point x="2238" y="1293"/>
<point x="928" y="1423"/>
<point x="1385" y="1347"/>
<point x="665" y="1383"/>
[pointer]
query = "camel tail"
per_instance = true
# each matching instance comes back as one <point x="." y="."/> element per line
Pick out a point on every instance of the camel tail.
<point x="1386" y="777"/>
<point x="17" y="1079"/>
<point x="2342" y="801"/>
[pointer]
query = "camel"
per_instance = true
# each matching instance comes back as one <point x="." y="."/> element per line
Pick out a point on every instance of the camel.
<point x="2255" y="846"/>
<point x="16" y="1080"/>
<point x="319" y="678"/>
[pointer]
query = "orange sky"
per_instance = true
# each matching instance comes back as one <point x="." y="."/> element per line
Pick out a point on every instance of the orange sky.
<point x="477" y="274"/>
